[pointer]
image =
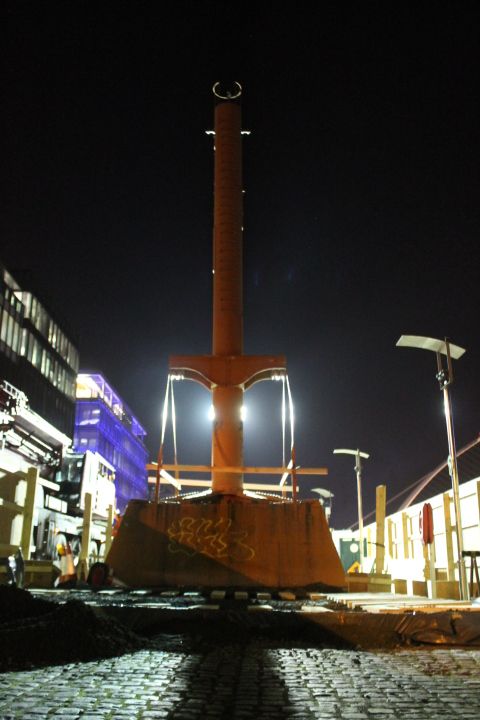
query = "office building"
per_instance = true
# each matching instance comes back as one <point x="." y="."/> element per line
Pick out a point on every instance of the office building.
<point x="105" y="424"/>
<point x="37" y="355"/>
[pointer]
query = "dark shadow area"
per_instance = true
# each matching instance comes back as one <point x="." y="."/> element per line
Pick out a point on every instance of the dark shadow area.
<point x="230" y="676"/>
<point x="227" y="666"/>
<point x="243" y="627"/>
<point x="35" y="632"/>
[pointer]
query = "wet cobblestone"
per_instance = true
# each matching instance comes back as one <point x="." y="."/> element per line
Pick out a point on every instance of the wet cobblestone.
<point x="252" y="680"/>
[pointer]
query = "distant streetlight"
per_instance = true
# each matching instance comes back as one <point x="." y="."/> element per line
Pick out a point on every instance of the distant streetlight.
<point x="326" y="498"/>
<point x="445" y="379"/>
<point x="358" y="471"/>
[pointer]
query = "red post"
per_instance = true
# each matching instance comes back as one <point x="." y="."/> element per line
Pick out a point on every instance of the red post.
<point x="227" y="437"/>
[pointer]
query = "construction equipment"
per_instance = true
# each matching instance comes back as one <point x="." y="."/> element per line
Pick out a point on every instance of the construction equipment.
<point x="227" y="536"/>
<point x="44" y="485"/>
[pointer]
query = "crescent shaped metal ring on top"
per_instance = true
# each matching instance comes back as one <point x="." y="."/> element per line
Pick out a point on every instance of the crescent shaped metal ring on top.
<point x="231" y="95"/>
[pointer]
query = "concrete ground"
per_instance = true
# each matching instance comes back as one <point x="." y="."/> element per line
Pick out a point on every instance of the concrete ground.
<point x="189" y="678"/>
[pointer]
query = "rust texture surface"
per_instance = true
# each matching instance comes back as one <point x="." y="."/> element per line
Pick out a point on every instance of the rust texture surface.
<point x="223" y="544"/>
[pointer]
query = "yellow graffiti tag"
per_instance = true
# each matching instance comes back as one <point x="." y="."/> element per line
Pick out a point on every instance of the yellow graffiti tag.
<point x="192" y="536"/>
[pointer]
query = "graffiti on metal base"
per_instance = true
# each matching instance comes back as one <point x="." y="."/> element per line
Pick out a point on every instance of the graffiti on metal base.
<point x="192" y="536"/>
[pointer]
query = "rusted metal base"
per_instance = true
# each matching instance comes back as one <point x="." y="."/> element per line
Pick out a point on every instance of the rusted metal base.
<point x="224" y="541"/>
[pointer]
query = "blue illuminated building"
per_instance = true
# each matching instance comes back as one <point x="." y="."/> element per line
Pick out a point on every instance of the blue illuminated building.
<point x="105" y="424"/>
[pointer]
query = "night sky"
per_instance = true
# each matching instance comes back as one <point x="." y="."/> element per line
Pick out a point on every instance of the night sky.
<point x="361" y="211"/>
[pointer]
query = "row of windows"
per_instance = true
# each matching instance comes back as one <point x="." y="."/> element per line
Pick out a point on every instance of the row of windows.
<point x="119" y="456"/>
<point x="23" y="343"/>
<point x="86" y="392"/>
<point x="8" y="299"/>
<point x="49" y="329"/>
<point x="40" y="358"/>
<point x="91" y="391"/>
<point x="10" y="331"/>
<point x="128" y="474"/>
<point x="91" y="387"/>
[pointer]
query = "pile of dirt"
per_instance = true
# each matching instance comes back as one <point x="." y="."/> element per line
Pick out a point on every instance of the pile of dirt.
<point x="18" y="604"/>
<point x="35" y="632"/>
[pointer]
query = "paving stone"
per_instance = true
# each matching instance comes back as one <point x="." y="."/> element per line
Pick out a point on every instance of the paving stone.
<point x="380" y="711"/>
<point x="252" y="680"/>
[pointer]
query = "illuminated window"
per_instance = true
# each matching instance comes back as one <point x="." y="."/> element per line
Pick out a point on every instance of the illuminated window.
<point x="27" y="304"/>
<point x="10" y="331"/>
<point x="33" y="310"/>
<point x="3" y="329"/>
<point x="29" y="346"/>
<point x="45" y="366"/>
<point x="52" y="334"/>
<point x="24" y="343"/>
<point x="62" y="345"/>
<point x="16" y="336"/>
<point x="34" y="354"/>
<point x="18" y="301"/>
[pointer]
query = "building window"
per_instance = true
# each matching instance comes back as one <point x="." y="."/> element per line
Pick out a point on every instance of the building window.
<point x="3" y="329"/>
<point x="10" y="331"/>
<point x="27" y="304"/>
<point x="24" y="343"/>
<point x="16" y="337"/>
<point x="36" y="354"/>
<point x="52" y="334"/>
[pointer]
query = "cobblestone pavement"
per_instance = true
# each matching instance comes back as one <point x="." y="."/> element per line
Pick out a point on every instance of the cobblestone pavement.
<point x="258" y="679"/>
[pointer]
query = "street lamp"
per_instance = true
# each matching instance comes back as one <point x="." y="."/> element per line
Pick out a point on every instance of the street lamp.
<point x="445" y="379"/>
<point x="326" y="500"/>
<point x="358" y="471"/>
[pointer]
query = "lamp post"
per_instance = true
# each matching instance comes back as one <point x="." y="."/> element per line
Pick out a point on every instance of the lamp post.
<point x="358" y="472"/>
<point x="445" y="378"/>
<point x="326" y="500"/>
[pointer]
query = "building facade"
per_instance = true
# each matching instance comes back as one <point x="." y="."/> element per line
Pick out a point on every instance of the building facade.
<point x="105" y="424"/>
<point x="42" y="396"/>
<point x="37" y="355"/>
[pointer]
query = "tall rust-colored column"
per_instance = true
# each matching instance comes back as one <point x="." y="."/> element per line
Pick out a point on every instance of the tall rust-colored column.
<point x="227" y="439"/>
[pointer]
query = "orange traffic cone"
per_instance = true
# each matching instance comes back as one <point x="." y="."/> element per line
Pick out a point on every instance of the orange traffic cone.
<point x="67" y="568"/>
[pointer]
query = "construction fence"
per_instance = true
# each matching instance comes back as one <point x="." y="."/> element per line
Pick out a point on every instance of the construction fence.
<point x="395" y="557"/>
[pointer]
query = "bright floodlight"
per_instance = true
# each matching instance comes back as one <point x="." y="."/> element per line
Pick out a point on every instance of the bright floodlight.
<point x="428" y="343"/>
<point x="211" y="413"/>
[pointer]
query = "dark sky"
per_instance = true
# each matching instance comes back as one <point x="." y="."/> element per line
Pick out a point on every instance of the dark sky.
<point x="361" y="210"/>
